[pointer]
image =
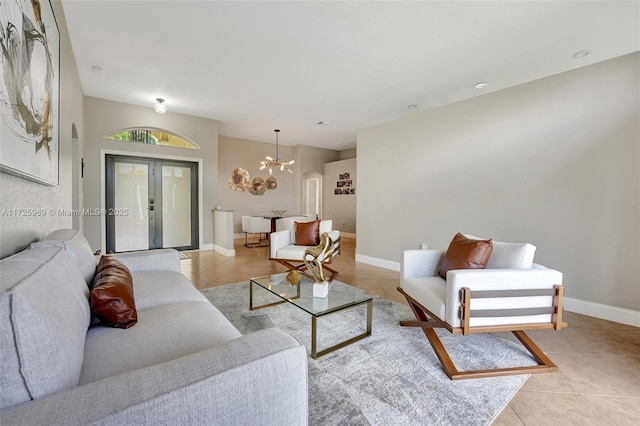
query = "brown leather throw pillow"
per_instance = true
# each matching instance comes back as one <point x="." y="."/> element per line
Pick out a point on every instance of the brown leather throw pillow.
<point x="464" y="253"/>
<point x="112" y="299"/>
<point x="307" y="233"/>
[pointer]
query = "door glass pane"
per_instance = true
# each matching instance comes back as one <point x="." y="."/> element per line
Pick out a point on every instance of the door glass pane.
<point x="176" y="206"/>
<point x="131" y="182"/>
<point x="313" y="190"/>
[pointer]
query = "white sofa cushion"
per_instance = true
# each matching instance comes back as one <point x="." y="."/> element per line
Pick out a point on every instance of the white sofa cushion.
<point x="76" y="246"/>
<point x="292" y="252"/>
<point x="157" y="288"/>
<point x="161" y="334"/>
<point x="509" y="255"/>
<point x="45" y="321"/>
<point x="430" y="292"/>
<point x="14" y="269"/>
<point x="150" y="260"/>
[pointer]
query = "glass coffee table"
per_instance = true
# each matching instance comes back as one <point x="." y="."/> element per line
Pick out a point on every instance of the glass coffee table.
<point x="341" y="296"/>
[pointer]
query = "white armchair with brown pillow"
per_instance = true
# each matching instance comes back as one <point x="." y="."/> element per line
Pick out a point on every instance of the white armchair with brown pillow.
<point x="288" y="245"/>
<point x="480" y="286"/>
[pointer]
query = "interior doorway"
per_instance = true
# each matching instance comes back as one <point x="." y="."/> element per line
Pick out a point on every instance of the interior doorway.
<point x="313" y="195"/>
<point x="151" y="203"/>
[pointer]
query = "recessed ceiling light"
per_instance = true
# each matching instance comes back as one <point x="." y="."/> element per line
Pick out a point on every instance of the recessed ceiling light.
<point x="581" y="54"/>
<point x="97" y="69"/>
<point x="481" y="85"/>
<point x="412" y="106"/>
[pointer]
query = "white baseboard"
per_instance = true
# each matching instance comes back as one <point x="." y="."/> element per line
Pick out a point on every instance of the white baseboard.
<point x="598" y="310"/>
<point x="382" y="263"/>
<point x="206" y="246"/>
<point x="224" y="251"/>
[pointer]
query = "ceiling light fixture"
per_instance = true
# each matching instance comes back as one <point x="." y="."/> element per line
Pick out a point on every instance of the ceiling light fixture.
<point x="271" y="163"/>
<point x="160" y="107"/>
<point x="581" y="54"/>
<point x="481" y="85"/>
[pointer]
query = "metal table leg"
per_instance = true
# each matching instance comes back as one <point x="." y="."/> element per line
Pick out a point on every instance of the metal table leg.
<point x="315" y="353"/>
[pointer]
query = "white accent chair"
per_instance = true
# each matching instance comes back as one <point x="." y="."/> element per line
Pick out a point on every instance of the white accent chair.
<point x="511" y="294"/>
<point x="256" y="225"/>
<point x="284" y="250"/>
<point x="286" y="222"/>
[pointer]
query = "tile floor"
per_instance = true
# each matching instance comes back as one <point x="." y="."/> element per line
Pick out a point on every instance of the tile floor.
<point x="599" y="378"/>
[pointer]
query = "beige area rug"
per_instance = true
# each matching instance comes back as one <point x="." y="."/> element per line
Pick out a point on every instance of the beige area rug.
<point x="392" y="377"/>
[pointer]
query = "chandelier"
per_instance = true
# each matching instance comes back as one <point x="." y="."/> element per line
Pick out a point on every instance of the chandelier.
<point x="271" y="163"/>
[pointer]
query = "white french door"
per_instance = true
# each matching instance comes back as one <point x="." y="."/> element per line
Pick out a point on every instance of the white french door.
<point x="151" y="203"/>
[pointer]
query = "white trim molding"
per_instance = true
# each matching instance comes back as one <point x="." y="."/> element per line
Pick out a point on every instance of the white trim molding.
<point x="382" y="263"/>
<point x="207" y="247"/>
<point x="223" y="251"/>
<point x="606" y="312"/>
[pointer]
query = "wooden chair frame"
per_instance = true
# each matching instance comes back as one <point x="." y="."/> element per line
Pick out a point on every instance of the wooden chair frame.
<point x="302" y="268"/>
<point x="428" y="321"/>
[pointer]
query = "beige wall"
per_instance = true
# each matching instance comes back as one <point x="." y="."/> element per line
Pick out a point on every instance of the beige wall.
<point x="17" y="232"/>
<point x="103" y="117"/>
<point x="554" y="162"/>
<point x="346" y="154"/>
<point x="248" y="154"/>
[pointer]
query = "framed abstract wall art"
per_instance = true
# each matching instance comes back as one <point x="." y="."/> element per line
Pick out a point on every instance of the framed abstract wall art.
<point x="29" y="90"/>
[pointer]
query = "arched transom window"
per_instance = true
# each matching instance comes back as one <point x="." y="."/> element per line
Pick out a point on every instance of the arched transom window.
<point x="152" y="136"/>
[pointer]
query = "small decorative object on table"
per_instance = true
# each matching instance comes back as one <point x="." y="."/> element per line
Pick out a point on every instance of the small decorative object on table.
<point x="278" y="212"/>
<point x="313" y="257"/>
<point x="294" y="277"/>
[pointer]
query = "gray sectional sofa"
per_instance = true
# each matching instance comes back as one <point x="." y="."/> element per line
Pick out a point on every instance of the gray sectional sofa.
<point x="183" y="362"/>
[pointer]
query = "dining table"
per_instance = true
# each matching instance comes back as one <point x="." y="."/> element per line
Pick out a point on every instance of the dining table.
<point x="274" y="218"/>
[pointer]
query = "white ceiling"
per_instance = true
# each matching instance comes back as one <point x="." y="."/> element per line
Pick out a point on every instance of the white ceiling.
<point x="256" y="66"/>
